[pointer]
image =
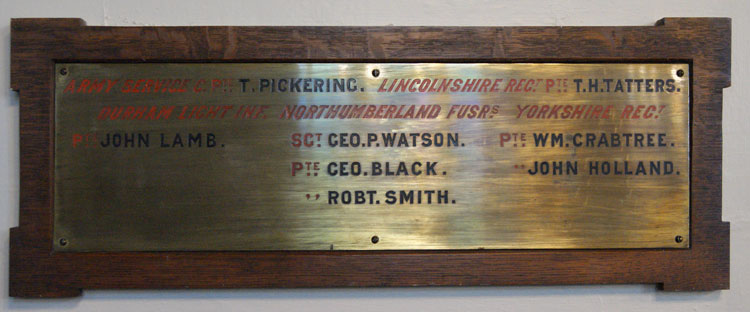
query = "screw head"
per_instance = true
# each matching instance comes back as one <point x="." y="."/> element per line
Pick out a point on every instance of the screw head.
<point x="375" y="72"/>
<point x="63" y="71"/>
<point x="680" y="73"/>
<point x="375" y="239"/>
<point x="63" y="242"/>
<point x="678" y="239"/>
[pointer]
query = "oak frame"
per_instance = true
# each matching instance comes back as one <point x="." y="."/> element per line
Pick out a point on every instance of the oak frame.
<point x="37" y="44"/>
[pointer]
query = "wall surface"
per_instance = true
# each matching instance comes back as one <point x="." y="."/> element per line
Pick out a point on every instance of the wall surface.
<point x="413" y="13"/>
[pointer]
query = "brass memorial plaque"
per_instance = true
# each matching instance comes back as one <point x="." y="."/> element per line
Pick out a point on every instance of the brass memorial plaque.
<point x="357" y="156"/>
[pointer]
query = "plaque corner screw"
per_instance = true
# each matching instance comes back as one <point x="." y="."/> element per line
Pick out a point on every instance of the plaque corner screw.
<point x="678" y="239"/>
<point x="680" y="73"/>
<point x="63" y="242"/>
<point x="63" y="71"/>
<point x="375" y="239"/>
<point x="375" y="72"/>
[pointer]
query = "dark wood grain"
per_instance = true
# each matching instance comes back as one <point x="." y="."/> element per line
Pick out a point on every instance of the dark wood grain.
<point x="37" y="271"/>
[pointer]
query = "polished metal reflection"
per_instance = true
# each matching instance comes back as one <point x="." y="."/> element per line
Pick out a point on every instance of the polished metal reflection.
<point x="240" y="195"/>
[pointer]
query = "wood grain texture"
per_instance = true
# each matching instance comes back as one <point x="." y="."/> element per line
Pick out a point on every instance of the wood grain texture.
<point x="37" y="271"/>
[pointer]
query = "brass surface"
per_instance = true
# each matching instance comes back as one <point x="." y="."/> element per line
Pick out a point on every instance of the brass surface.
<point x="241" y="195"/>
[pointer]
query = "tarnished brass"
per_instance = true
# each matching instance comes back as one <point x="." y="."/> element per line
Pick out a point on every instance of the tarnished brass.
<point x="219" y="157"/>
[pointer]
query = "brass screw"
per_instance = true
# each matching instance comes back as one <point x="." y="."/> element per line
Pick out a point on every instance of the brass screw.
<point x="678" y="239"/>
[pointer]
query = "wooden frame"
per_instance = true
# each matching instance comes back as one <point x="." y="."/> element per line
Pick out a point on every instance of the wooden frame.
<point x="37" y="44"/>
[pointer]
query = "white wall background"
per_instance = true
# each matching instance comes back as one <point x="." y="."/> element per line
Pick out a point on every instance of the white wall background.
<point x="377" y="13"/>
